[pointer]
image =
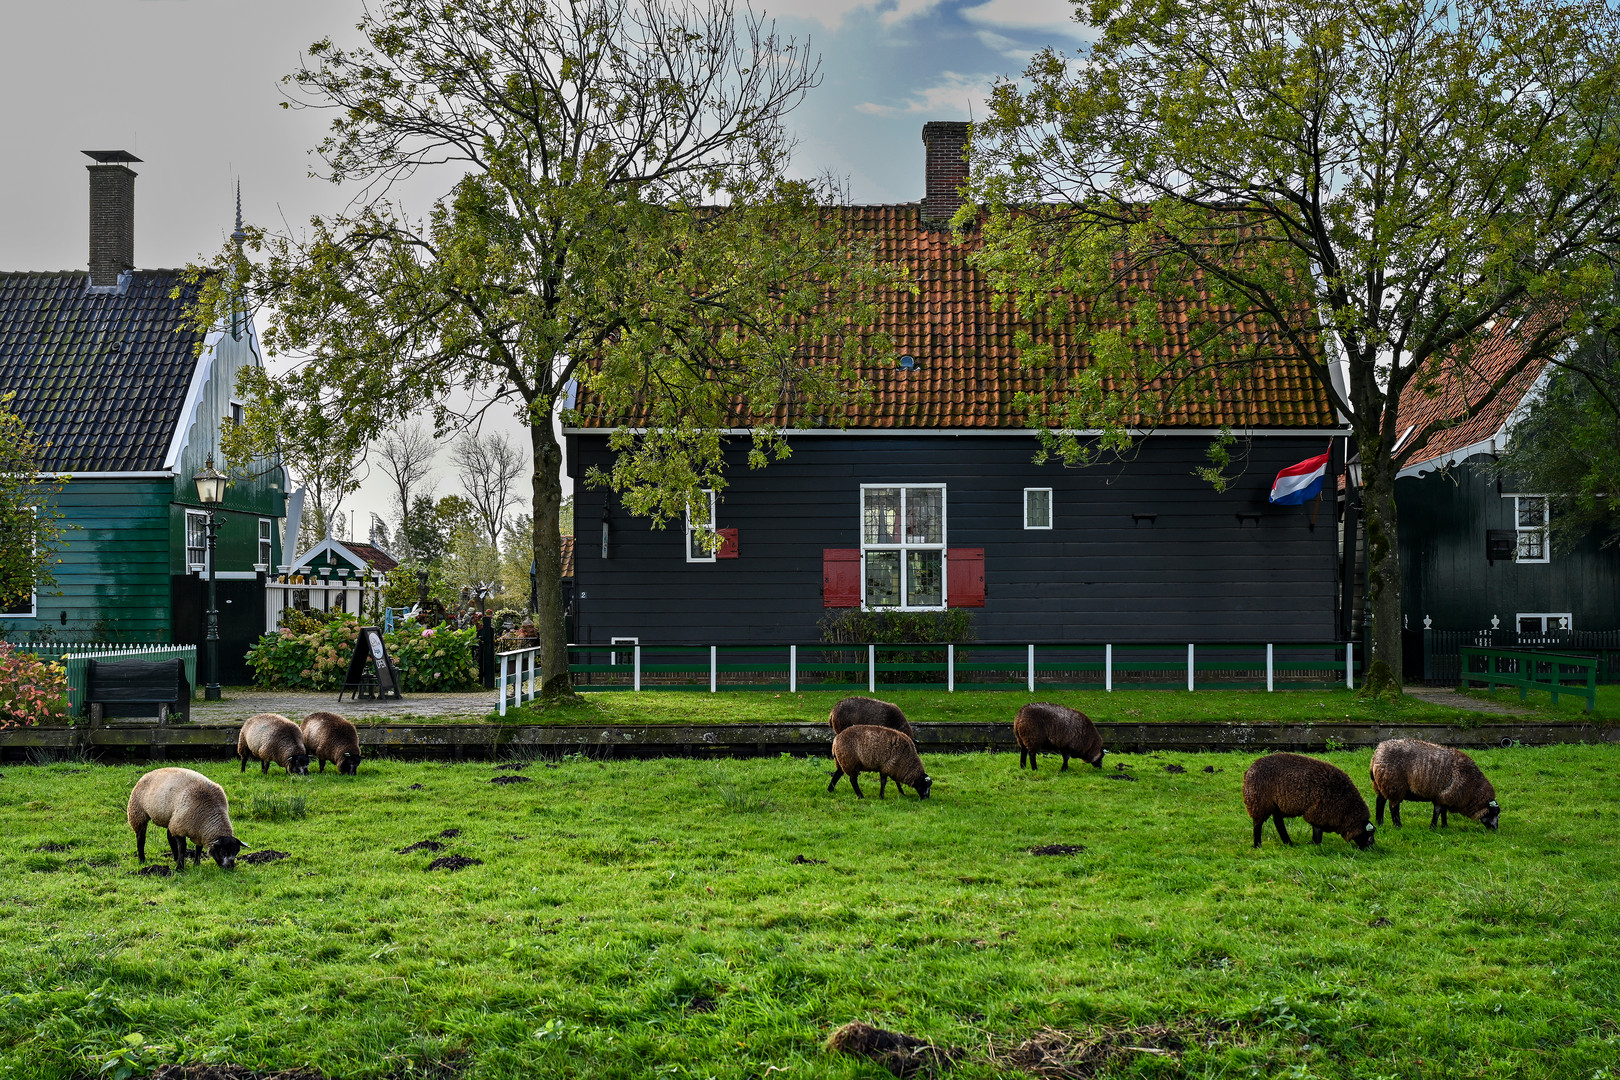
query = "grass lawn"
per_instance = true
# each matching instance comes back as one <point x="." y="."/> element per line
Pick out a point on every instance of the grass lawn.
<point x="648" y="919"/>
<point x="989" y="706"/>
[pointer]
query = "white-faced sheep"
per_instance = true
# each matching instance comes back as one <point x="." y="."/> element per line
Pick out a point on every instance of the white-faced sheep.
<point x="869" y="748"/>
<point x="329" y="737"/>
<point x="1287" y="785"/>
<point x="865" y="710"/>
<point x="1056" y="729"/>
<point x="271" y="737"/>
<point x="1411" y="769"/>
<point x="191" y="807"/>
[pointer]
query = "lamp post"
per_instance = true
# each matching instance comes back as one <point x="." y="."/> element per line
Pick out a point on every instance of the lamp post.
<point x="211" y="492"/>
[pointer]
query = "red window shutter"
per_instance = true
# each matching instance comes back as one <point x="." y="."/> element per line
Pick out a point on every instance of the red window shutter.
<point x="964" y="577"/>
<point x="841" y="577"/>
<point x="728" y="544"/>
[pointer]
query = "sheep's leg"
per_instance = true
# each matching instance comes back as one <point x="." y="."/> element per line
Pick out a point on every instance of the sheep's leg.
<point x="177" y="848"/>
<point x="883" y="783"/>
<point x="244" y="760"/>
<point x="1282" y="830"/>
<point x="1023" y="756"/>
<point x="1316" y="836"/>
<point x="856" y="785"/>
<point x="1381" y="801"/>
<point x="1445" y="817"/>
<point x="140" y="841"/>
<point x="1395" y="812"/>
<point x="1032" y="766"/>
<point x="837" y="772"/>
<point x="323" y="764"/>
<point x="1259" y="824"/>
<point x="1065" y="764"/>
<point x="264" y="767"/>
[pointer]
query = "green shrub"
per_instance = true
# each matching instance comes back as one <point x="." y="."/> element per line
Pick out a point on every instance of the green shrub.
<point x="954" y="626"/>
<point x="313" y="654"/>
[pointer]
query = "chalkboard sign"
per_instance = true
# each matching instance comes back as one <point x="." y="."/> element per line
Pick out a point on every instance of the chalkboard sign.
<point x="371" y="669"/>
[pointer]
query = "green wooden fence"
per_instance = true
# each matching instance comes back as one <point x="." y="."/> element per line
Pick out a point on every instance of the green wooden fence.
<point x="77" y="660"/>
<point x="1528" y="671"/>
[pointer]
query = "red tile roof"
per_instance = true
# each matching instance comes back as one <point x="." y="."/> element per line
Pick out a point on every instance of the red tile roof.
<point x="567" y="556"/>
<point x="1462" y="386"/>
<point x="968" y="373"/>
<point x="375" y="557"/>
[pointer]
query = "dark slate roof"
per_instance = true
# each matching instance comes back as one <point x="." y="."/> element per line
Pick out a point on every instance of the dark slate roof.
<point x="100" y="376"/>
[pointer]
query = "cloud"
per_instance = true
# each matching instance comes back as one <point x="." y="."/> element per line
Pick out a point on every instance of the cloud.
<point x="957" y="94"/>
<point x="1053" y="16"/>
<point x="831" y="13"/>
<point x="1004" y="45"/>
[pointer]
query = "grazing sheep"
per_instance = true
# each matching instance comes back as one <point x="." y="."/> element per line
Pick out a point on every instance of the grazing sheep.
<point x="191" y="807"/>
<point x="865" y="710"/>
<point x="1287" y="785"/>
<point x="329" y="737"/>
<point x="868" y="747"/>
<point x="272" y="737"/>
<point x="1056" y="729"/>
<point x="1421" y="771"/>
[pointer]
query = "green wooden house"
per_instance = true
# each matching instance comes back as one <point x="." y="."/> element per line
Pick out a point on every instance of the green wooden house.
<point x="108" y="375"/>
<point x="1474" y="547"/>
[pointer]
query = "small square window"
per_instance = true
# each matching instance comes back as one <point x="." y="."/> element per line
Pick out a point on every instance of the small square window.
<point x="266" y="546"/>
<point x="196" y="540"/>
<point x="236" y="413"/>
<point x="1037" y="508"/>
<point x="1530" y="522"/>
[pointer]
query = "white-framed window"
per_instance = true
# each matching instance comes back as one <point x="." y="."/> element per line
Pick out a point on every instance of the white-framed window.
<point x="696" y="551"/>
<point x="1530" y="522"/>
<point x="23" y="607"/>
<point x="1037" y="508"/>
<point x="1543" y="622"/>
<point x="236" y="414"/>
<point x="266" y="544"/>
<point x="196" y="540"/>
<point x="903" y="546"/>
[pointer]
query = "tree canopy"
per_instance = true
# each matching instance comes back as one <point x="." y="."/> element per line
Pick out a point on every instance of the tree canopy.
<point x="1366" y="184"/>
<point x="616" y="212"/>
<point x="29" y="522"/>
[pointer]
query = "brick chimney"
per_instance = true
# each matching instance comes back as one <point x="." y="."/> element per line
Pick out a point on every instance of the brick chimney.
<point x="112" y="215"/>
<point x="947" y="170"/>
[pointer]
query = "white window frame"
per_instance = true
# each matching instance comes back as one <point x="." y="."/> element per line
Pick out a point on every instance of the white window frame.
<point x="202" y="518"/>
<point x="629" y="657"/>
<point x="1051" y="511"/>
<point x="1520" y="532"/>
<point x="690" y="529"/>
<point x="903" y="547"/>
<point x="1549" y="621"/>
<point x="33" y="592"/>
<point x="267" y="544"/>
<point x="236" y="412"/>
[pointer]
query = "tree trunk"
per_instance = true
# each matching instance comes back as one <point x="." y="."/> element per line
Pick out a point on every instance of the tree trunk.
<point x="1384" y="677"/>
<point x="556" y="683"/>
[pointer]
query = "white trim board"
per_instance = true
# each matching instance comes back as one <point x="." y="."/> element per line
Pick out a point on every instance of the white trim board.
<point x="188" y="411"/>
<point x="148" y="475"/>
<point x="1333" y="432"/>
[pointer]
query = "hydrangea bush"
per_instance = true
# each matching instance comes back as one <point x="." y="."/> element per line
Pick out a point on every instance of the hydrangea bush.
<point x="311" y="651"/>
<point x="32" y="691"/>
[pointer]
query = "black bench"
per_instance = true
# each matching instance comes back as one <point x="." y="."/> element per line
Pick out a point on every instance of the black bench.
<point x="138" y="682"/>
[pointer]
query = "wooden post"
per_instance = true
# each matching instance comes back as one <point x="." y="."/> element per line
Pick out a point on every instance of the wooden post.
<point x="793" y="669"/>
<point x="871" y="669"/>
<point x="1031" y="679"/>
<point x="638" y="667"/>
<point x="1269" y="686"/>
<point x="1108" y="668"/>
<point x="950" y="669"/>
<point x="1350" y="664"/>
<point x="501" y="708"/>
<point x="714" y="668"/>
<point x="1189" y="667"/>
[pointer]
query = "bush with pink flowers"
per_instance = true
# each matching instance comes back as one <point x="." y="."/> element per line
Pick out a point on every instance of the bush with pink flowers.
<point x="32" y="691"/>
<point x="311" y="651"/>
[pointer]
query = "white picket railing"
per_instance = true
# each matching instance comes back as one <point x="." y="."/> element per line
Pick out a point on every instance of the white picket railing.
<point x="524" y="665"/>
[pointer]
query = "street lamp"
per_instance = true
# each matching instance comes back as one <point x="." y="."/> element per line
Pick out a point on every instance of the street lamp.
<point x="211" y="492"/>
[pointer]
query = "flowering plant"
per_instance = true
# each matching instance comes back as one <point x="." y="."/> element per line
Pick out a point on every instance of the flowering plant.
<point x="314" y="655"/>
<point x="32" y="690"/>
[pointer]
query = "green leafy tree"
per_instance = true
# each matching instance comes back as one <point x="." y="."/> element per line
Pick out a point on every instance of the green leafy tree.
<point x="1367" y="184"/>
<point x="616" y="212"/>
<point x="1568" y="444"/>
<point x="30" y="523"/>
<point x="425" y="531"/>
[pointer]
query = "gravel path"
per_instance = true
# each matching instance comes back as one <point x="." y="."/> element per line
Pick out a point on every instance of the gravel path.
<point x="240" y="704"/>
<point x="1449" y="698"/>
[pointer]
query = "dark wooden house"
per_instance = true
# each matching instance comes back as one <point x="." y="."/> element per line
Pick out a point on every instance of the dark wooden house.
<point x="1474" y="546"/>
<point x="111" y="379"/>
<point x="930" y="499"/>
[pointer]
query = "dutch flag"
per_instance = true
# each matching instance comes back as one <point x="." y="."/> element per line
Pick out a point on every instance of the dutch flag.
<point x="1300" y="483"/>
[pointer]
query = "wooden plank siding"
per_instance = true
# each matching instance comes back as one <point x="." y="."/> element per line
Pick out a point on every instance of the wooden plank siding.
<point x="1196" y="572"/>
<point x="1444" y="516"/>
<point x="113" y="579"/>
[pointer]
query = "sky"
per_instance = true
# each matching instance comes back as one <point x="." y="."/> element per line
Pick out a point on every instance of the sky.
<point x="192" y="87"/>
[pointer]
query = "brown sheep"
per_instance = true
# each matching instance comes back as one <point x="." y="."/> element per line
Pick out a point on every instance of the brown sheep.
<point x="865" y="710"/>
<point x="869" y="748"/>
<point x="271" y="737"/>
<point x="329" y="737"/>
<point x="1056" y="729"/>
<point x="1287" y="785"/>
<point x="191" y="807"/>
<point x="1421" y="771"/>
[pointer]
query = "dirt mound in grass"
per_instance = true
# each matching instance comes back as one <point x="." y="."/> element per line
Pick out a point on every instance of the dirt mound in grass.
<point x="155" y="870"/>
<point x="416" y="787"/>
<point x="510" y="779"/>
<point x="259" y="857"/>
<point x="422" y="845"/>
<point x="903" y="1055"/>
<point x="231" y="1072"/>
<point x="48" y="846"/>
<point x="454" y="862"/>
<point x="701" y="1004"/>
<point x="449" y="834"/>
<point x="515" y="766"/>
<point x="1070" y="1055"/>
<point x="800" y="860"/>
<point x="1121" y="776"/>
<point x="1174" y="768"/>
<point x="1057" y="849"/>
